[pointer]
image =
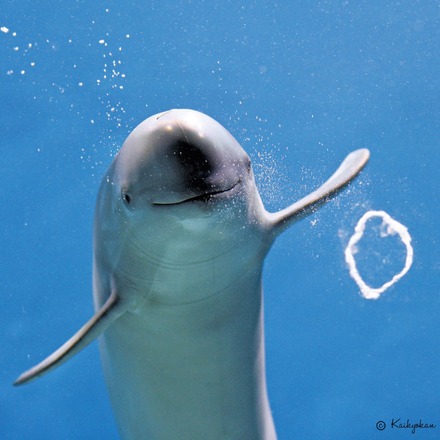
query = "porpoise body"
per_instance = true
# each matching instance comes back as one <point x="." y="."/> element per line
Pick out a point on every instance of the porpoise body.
<point x="180" y="238"/>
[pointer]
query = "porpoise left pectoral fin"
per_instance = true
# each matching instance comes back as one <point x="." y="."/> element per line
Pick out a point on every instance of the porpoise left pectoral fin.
<point x="347" y="171"/>
<point x="110" y="311"/>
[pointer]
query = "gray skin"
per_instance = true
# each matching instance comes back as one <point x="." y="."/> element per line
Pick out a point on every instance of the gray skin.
<point x="180" y="239"/>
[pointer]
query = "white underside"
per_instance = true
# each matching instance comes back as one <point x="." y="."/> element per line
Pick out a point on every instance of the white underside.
<point x="192" y="371"/>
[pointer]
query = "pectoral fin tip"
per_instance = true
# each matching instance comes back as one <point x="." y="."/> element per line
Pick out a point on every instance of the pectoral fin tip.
<point x="110" y="311"/>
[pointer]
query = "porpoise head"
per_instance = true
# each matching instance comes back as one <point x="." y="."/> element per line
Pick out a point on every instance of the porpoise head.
<point x="180" y="190"/>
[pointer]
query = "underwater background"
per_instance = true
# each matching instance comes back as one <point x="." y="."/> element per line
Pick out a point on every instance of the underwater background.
<point x="300" y="84"/>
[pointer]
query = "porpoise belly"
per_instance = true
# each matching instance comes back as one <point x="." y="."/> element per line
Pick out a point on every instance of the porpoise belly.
<point x="190" y="371"/>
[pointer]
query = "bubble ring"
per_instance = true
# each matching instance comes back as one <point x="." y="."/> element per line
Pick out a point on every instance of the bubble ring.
<point x="392" y="227"/>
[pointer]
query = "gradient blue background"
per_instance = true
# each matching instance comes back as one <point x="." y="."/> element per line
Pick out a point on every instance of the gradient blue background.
<point x="300" y="84"/>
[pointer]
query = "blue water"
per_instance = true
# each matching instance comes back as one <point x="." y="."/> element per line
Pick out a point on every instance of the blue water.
<point x="300" y="84"/>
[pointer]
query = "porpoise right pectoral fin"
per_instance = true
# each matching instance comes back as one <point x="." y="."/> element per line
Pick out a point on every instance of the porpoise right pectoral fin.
<point x="110" y="311"/>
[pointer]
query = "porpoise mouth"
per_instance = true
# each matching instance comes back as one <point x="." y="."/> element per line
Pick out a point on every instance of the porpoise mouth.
<point x="205" y="197"/>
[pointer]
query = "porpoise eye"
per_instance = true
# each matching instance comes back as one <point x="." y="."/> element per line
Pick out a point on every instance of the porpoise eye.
<point x="126" y="198"/>
<point x="249" y="165"/>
